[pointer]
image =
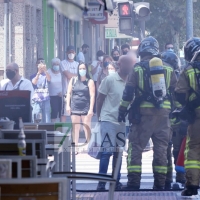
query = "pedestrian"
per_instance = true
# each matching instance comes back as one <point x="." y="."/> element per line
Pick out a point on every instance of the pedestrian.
<point x="69" y="69"/>
<point x="108" y="101"/>
<point x="15" y="81"/>
<point x="55" y="89"/>
<point x="149" y="115"/>
<point x="178" y="127"/>
<point x="169" y="47"/>
<point x="187" y="93"/>
<point x="104" y="70"/>
<point x="41" y="99"/>
<point x="96" y="67"/>
<point x="81" y="54"/>
<point x="125" y="48"/>
<point x="115" y="56"/>
<point x="80" y="101"/>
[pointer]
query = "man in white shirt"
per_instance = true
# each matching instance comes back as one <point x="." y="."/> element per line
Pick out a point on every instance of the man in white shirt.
<point x="16" y="82"/>
<point x="81" y="57"/>
<point x="69" y="69"/>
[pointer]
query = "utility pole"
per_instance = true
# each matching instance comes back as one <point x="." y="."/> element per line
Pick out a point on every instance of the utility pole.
<point x="189" y="19"/>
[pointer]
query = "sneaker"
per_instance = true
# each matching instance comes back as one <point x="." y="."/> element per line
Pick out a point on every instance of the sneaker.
<point x="189" y="192"/>
<point x="178" y="186"/>
<point x="101" y="186"/>
<point x="118" y="186"/>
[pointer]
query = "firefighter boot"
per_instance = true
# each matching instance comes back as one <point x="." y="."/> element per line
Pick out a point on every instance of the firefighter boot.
<point x="190" y="190"/>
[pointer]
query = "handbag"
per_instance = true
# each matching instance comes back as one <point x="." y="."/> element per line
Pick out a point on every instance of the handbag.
<point x="94" y="146"/>
<point x="41" y="94"/>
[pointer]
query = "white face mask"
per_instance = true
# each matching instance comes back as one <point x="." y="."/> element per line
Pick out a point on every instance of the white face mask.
<point x="71" y="56"/>
<point x="111" y="72"/>
<point x="100" y="58"/>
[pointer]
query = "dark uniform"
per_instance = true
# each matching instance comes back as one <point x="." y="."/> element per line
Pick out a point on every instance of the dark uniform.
<point x="188" y="94"/>
<point x="149" y="121"/>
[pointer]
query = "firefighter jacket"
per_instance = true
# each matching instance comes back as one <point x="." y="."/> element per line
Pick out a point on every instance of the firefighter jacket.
<point x="138" y="83"/>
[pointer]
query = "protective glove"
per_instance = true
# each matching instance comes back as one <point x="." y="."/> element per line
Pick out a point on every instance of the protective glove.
<point x="121" y="116"/>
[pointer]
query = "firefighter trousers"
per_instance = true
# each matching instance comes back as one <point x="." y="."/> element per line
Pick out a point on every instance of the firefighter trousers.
<point x="192" y="154"/>
<point x="155" y="125"/>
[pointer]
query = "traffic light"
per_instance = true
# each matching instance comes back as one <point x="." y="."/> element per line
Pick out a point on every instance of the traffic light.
<point x="125" y="11"/>
<point x="142" y="11"/>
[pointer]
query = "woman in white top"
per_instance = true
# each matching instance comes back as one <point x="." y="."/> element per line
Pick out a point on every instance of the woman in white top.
<point x="55" y="89"/>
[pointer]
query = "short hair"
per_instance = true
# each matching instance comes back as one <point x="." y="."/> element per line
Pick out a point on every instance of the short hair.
<point x="54" y="61"/>
<point x="125" y="46"/>
<point x="168" y="44"/>
<point x="85" y="46"/>
<point x="38" y="60"/>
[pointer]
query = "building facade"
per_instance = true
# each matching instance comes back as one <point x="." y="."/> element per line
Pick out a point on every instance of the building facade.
<point x="30" y="29"/>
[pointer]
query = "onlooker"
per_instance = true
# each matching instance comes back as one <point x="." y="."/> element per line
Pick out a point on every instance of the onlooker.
<point x="115" y="56"/>
<point x="97" y="65"/>
<point x="96" y="68"/>
<point x="55" y="89"/>
<point x="41" y="99"/>
<point x="80" y="101"/>
<point x="104" y="71"/>
<point x="108" y="101"/>
<point x="111" y="68"/>
<point x="84" y="50"/>
<point x="69" y="68"/>
<point x="125" y="48"/>
<point x="169" y="47"/>
<point x="15" y="82"/>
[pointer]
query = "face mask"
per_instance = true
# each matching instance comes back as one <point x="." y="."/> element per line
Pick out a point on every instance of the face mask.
<point x="111" y="72"/>
<point x="116" y="58"/>
<point x="105" y="64"/>
<point x="100" y="58"/>
<point x="170" y="49"/>
<point x="56" y="68"/>
<point x="85" y="51"/>
<point x="82" y="72"/>
<point x="125" y="52"/>
<point x="10" y="74"/>
<point x="71" y="56"/>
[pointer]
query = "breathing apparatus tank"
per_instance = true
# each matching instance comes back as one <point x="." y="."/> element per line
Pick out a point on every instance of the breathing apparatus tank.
<point x="157" y="79"/>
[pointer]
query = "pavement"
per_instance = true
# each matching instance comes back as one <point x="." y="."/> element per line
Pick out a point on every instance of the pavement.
<point x="85" y="163"/>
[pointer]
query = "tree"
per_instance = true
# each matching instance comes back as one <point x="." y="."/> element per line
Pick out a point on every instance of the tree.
<point x="168" y="21"/>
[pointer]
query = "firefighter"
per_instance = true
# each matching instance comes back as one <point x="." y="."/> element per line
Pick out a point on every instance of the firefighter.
<point x="178" y="127"/>
<point x="187" y="93"/>
<point x="149" y="115"/>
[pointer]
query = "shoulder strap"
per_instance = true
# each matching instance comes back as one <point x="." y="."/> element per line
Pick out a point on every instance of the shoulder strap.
<point x="19" y="84"/>
<point x="44" y="86"/>
<point x="74" y="79"/>
<point x="6" y="86"/>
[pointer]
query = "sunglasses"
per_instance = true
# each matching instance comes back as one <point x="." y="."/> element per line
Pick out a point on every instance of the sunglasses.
<point x="170" y="48"/>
